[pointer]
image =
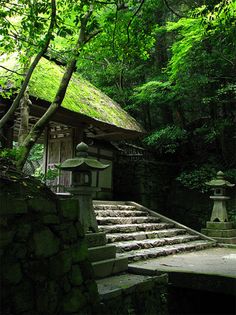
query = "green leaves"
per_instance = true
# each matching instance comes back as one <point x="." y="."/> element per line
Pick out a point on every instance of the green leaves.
<point x="167" y="140"/>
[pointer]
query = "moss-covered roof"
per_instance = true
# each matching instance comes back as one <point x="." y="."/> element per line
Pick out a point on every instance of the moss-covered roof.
<point x="81" y="97"/>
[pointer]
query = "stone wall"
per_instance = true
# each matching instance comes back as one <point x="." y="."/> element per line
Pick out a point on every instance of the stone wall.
<point x="44" y="257"/>
<point x="147" y="297"/>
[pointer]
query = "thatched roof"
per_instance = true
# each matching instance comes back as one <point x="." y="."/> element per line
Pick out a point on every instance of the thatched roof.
<point x="81" y="97"/>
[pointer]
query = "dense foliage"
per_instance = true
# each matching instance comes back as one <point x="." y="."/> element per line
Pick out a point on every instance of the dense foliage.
<point x="175" y="71"/>
<point x="170" y="63"/>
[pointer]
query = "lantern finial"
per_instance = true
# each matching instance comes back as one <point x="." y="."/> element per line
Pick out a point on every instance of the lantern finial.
<point x="82" y="149"/>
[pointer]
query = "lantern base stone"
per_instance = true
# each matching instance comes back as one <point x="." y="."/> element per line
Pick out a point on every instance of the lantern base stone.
<point x="223" y="232"/>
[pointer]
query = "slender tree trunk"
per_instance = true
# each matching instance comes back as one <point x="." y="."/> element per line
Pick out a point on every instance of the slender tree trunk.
<point x="24" y="118"/>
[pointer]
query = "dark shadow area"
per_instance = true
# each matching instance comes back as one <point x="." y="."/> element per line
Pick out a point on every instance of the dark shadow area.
<point x="196" y="302"/>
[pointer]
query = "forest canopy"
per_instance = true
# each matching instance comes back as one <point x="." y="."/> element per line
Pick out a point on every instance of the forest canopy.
<point x="176" y="74"/>
<point x="171" y="64"/>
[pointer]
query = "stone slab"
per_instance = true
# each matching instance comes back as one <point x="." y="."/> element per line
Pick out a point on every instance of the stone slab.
<point x="111" y="287"/>
<point x="226" y="240"/>
<point x="219" y="233"/>
<point x="219" y="225"/>
<point x="95" y="239"/>
<point x="109" y="267"/>
<point x="102" y="252"/>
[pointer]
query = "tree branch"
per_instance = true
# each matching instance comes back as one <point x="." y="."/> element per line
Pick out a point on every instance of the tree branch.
<point x="132" y="18"/>
<point x="25" y="83"/>
<point x="169" y="7"/>
<point x="11" y="70"/>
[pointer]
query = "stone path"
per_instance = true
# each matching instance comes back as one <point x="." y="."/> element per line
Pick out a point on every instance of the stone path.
<point x="213" y="261"/>
<point x="139" y="233"/>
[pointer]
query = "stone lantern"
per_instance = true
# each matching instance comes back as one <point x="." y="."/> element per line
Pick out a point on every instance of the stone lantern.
<point x="219" y="226"/>
<point x="219" y="185"/>
<point x="81" y="167"/>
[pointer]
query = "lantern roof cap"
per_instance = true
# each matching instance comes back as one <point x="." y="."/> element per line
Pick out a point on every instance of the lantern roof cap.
<point x="82" y="162"/>
<point x="220" y="181"/>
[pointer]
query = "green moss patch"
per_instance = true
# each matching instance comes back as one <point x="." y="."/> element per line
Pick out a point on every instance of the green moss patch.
<point x="81" y="97"/>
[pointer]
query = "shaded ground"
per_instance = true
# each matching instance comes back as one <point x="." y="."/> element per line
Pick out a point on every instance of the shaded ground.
<point x="200" y="283"/>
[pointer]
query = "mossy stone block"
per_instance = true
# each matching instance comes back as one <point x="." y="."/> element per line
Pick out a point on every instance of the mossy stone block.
<point x="11" y="206"/>
<point x="23" y="231"/>
<point x="74" y="301"/>
<point x="61" y="264"/>
<point x="79" y="229"/>
<point x="46" y="243"/>
<point x="6" y="237"/>
<point x="87" y="270"/>
<point x="66" y="284"/>
<point x="91" y="287"/>
<point x="69" y="208"/>
<point x="48" y="297"/>
<point x="18" y="250"/>
<point x="96" y="239"/>
<point x="76" y="277"/>
<point x="12" y="273"/>
<point x="38" y="270"/>
<point x="79" y="252"/>
<point x="67" y="232"/>
<point x="42" y="205"/>
<point x="51" y="219"/>
<point x="22" y="298"/>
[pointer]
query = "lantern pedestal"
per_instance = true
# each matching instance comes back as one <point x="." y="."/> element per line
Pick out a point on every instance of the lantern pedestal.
<point x="87" y="216"/>
<point x="219" y="212"/>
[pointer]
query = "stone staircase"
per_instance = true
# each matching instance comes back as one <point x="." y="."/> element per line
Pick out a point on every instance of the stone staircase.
<point x="140" y="233"/>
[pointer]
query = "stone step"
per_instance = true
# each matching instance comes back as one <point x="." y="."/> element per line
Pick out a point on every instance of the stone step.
<point x="143" y="254"/>
<point x="109" y="202"/>
<point x="95" y="239"/>
<point x="102" y="252"/>
<point x="142" y="235"/>
<point x="112" y="207"/>
<point x="110" y="267"/>
<point x="120" y="213"/>
<point x="134" y="227"/>
<point x="126" y="220"/>
<point x="151" y="243"/>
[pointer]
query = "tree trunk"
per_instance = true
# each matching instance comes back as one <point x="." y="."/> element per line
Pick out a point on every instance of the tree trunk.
<point x="38" y="128"/>
<point x="24" y="118"/>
